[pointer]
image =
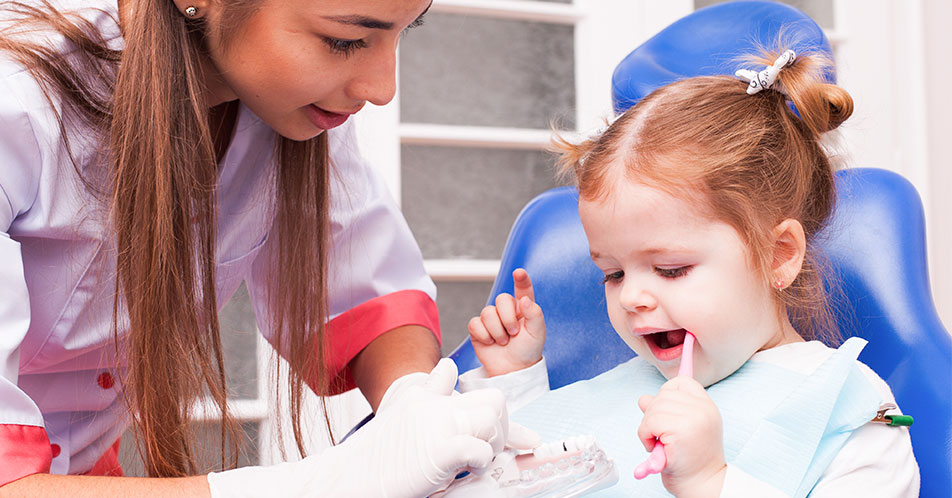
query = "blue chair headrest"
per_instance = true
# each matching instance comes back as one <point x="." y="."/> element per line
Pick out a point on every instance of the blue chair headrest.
<point x="709" y="42"/>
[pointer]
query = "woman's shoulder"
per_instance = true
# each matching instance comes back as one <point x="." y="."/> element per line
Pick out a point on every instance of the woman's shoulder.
<point x="102" y="15"/>
<point x="24" y="99"/>
<point x="32" y="138"/>
<point x="28" y="114"/>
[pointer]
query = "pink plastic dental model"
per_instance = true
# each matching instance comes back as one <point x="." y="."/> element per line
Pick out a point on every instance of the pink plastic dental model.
<point x="656" y="460"/>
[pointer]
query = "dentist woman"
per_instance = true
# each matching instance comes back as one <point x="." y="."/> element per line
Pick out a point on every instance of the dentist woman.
<point x="154" y="154"/>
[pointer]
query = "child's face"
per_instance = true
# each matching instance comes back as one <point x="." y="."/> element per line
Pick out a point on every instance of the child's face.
<point x="669" y="267"/>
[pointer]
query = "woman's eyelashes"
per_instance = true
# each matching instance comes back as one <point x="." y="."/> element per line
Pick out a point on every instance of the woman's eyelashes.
<point x="418" y="22"/>
<point x="346" y="48"/>
<point x="343" y="47"/>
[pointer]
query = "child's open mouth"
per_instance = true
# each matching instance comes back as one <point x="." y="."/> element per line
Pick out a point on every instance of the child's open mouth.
<point x="666" y="345"/>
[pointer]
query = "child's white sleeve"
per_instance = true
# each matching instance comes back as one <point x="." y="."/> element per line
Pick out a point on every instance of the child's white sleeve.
<point x="520" y="387"/>
<point x="877" y="460"/>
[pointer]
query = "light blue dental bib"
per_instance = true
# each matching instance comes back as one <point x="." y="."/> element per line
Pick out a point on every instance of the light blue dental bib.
<point x="780" y="426"/>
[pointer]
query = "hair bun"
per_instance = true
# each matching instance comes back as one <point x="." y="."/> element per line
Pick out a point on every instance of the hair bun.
<point x="822" y="106"/>
<point x="839" y="106"/>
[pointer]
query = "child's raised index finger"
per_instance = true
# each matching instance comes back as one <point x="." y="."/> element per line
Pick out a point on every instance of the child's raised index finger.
<point x="522" y="284"/>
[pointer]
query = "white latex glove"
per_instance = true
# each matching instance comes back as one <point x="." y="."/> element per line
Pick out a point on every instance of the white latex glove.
<point x="400" y="386"/>
<point x="412" y="448"/>
<point x="519" y="437"/>
<point x="483" y="486"/>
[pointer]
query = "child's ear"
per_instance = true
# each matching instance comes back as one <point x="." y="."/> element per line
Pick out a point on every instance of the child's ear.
<point x="789" y="249"/>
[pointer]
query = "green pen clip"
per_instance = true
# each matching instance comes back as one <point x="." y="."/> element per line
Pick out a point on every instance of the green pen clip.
<point x="893" y="420"/>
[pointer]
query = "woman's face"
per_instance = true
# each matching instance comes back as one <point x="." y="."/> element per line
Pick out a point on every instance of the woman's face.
<point x="304" y="66"/>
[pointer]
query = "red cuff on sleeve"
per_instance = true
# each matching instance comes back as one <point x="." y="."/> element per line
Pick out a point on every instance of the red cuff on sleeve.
<point x="350" y="332"/>
<point x="24" y="450"/>
<point x="108" y="464"/>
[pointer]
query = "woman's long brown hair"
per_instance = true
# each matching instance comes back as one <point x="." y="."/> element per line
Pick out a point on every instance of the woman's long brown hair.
<point x="148" y="102"/>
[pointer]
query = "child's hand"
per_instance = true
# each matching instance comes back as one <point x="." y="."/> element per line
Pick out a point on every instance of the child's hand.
<point x="509" y="336"/>
<point x="686" y="420"/>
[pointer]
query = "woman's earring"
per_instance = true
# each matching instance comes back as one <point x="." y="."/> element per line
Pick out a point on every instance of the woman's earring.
<point x="191" y="11"/>
<point x="778" y="284"/>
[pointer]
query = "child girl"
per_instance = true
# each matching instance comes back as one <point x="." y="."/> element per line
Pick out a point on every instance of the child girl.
<point x="155" y="154"/>
<point x="701" y="205"/>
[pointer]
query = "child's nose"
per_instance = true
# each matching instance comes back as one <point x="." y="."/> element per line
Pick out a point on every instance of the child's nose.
<point x="637" y="298"/>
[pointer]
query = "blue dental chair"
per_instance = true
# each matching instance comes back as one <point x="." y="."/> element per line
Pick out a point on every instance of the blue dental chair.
<point x="876" y="243"/>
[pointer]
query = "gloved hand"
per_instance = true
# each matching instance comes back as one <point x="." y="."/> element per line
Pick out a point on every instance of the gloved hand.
<point x="400" y="386"/>
<point x="519" y="437"/>
<point x="413" y="447"/>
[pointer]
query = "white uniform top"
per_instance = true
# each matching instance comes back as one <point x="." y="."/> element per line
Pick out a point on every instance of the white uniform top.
<point x="57" y="268"/>
<point x="876" y="460"/>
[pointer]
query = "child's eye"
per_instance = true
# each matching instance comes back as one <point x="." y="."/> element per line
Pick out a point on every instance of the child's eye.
<point x="344" y="47"/>
<point x="673" y="273"/>
<point x="613" y="277"/>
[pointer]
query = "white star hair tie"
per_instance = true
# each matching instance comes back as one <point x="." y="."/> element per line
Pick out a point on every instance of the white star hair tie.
<point x="766" y="78"/>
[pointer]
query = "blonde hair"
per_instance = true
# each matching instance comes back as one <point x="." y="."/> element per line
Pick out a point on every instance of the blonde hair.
<point x="749" y="158"/>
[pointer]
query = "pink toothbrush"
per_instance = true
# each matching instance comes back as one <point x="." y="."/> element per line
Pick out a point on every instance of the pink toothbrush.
<point x="656" y="460"/>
